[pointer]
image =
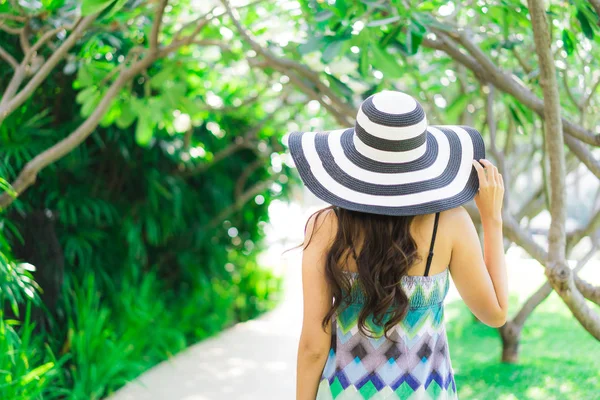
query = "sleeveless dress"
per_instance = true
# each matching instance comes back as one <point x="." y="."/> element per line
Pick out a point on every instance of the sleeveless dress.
<point x="416" y="367"/>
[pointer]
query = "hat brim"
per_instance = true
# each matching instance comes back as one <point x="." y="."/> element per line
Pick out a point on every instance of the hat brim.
<point x="442" y="178"/>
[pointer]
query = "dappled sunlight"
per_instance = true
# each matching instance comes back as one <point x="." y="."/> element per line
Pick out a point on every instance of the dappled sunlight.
<point x="242" y="361"/>
<point x="557" y="357"/>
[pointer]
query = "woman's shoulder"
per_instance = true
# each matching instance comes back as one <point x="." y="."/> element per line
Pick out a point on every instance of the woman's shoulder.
<point x="456" y="217"/>
<point x="322" y="225"/>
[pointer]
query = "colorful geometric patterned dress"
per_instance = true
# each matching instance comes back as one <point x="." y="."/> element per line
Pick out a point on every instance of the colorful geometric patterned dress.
<point x="416" y="367"/>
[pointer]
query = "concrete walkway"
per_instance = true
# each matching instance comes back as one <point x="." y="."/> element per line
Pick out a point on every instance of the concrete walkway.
<point x="254" y="360"/>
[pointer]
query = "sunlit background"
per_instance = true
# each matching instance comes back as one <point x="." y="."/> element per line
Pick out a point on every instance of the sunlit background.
<point x="147" y="197"/>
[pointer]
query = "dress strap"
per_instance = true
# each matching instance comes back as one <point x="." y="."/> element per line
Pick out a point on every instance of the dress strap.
<point x="430" y="257"/>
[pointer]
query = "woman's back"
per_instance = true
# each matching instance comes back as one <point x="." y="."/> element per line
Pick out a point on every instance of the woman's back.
<point x="367" y="269"/>
<point x="413" y="361"/>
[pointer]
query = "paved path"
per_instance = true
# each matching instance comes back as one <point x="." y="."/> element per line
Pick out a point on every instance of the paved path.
<point x="254" y="360"/>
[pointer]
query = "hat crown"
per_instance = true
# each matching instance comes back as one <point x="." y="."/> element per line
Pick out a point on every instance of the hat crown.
<point x="393" y="102"/>
<point x="391" y="125"/>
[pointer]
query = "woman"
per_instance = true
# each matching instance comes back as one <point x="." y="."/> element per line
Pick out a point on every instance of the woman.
<point x="376" y="264"/>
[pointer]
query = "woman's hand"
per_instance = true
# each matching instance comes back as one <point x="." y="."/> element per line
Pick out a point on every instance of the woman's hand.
<point x="491" y="192"/>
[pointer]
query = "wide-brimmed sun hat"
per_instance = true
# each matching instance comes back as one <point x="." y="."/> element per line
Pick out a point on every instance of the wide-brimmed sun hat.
<point x="391" y="162"/>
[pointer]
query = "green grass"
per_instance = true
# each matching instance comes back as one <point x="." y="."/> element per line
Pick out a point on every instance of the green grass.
<point x="558" y="359"/>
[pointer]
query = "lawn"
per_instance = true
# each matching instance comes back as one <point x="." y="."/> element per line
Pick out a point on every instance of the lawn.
<point x="558" y="358"/>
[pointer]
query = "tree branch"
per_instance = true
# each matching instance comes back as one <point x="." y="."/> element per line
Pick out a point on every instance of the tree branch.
<point x="342" y="119"/>
<point x="596" y="5"/>
<point x="13" y="86"/>
<point x="595" y="86"/>
<point x="248" y="171"/>
<point x="241" y="201"/>
<point x="575" y="237"/>
<point x="160" y="10"/>
<point x="23" y="37"/>
<point x="29" y="173"/>
<point x="544" y="291"/>
<point x="12" y="31"/>
<point x="533" y="206"/>
<point x="516" y="234"/>
<point x="570" y="94"/>
<point x="11" y="104"/>
<point x="583" y="154"/>
<point x="445" y="44"/>
<point x="8" y="58"/>
<point x="485" y="70"/>
<point x="250" y="100"/>
<point x="241" y="142"/>
<point x="526" y="68"/>
<point x="558" y="272"/>
<point x="45" y="37"/>
<point x="16" y="18"/>
<point x="217" y="157"/>
<point x="212" y="42"/>
<point x="498" y="155"/>
<point x="326" y="96"/>
<point x="531" y="303"/>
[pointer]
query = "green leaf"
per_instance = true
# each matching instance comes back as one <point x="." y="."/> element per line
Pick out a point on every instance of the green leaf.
<point x="127" y="116"/>
<point x="323" y="16"/>
<point x="110" y="115"/>
<point x="391" y="35"/>
<point x="586" y="27"/>
<point x="363" y="64"/>
<point x="342" y="8"/>
<point x="339" y="86"/>
<point x="384" y="21"/>
<point x="414" y="37"/>
<point x="36" y="373"/>
<point x="90" y="103"/>
<point x="144" y="130"/>
<point x="313" y="44"/>
<point x="86" y="94"/>
<point x="386" y="63"/>
<point x="332" y="51"/>
<point x="515" y="115"/>
<point x="165" y="75"/>
<point x="426" y="6"/>
<point x="454" y="110"/>
<point x="84" y="77"/>
<point x="428" y="20"/>
<point x="115" y="8"/>
<point x="568" y="41"/>
<point x="89" y="7"/>
<point x="188" y="106"/>
<point x="52" y="5"/>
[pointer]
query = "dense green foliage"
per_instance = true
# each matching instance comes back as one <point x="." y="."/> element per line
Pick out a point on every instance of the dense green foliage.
<point x="156" y="253"/>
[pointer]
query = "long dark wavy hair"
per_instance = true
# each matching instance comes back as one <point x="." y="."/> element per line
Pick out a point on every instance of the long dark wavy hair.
<point x="384" y="250"/>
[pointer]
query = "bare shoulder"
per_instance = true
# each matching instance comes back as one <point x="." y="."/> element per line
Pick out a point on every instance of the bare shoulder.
<point x="457" y="217"/>
<point x="322" y="226"/>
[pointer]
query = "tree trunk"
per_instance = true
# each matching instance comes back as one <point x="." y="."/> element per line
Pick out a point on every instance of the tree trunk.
<point x="557" y="271"/>
<point x="510" y="333"/>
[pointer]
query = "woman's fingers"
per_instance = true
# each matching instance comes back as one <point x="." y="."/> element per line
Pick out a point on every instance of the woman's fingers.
<point x="480" y="173"/>
<point x="492" y="171"/>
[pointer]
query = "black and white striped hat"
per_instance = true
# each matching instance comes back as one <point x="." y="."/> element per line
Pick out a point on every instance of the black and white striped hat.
<point x="391" y="162"/>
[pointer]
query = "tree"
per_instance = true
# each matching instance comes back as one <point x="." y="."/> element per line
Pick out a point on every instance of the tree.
<point x="346" y="51"/>
<point x="46" y="26"/>
<point x="161" y="208"/>
<point x="333" y="55"/>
